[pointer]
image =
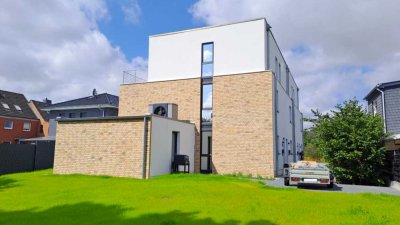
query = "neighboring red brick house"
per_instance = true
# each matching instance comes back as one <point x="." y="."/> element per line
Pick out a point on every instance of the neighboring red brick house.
<point x="16" y="118"/>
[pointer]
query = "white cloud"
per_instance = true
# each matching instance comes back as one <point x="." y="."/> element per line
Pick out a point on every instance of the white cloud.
<point x="132" y="11"/>
<point x="54" y="49"/>
<point x="351" y="45"/>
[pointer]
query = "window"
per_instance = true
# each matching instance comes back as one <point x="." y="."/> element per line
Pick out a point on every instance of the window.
<point x="83" y="114"/>
<point x="72" y="115"/>
<point x="277" y="101"/>
<point x="276" y="66"/>
<point x="27" y="126"/>
<point x="61" y="115"/>
<point x="5" y="105"/>
<point x="207" y="60"/>
<point x="292" y="93"/>
<point x="283" y="146"/>
<point x="290" y="114"/>
<point x="287" y="80"/>
<point x="8" y="125"/>
<point x="280" y="73"/>
<point x="374" y="108"/>
<point x="17" y="108"/>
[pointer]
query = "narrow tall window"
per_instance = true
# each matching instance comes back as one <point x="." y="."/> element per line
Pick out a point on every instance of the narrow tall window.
<point x="280" y="73"/>
<point x="290" y="114"/>
<point x="207" y="60"/>
<point x="276" y="66"/>
<point x="207" y="103"/>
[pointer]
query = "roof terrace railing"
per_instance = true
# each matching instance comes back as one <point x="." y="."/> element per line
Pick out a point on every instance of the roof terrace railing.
<point x="132" y="77"/>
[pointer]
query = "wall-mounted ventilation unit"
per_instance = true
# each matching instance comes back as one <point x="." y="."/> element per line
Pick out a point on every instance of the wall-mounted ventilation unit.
<point x="169" y="110"/>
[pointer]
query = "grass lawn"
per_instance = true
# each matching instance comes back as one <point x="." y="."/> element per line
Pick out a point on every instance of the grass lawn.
<point x="43" y="198"/>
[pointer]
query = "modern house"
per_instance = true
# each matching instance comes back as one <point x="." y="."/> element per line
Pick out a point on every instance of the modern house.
<point x="94" y="106"/>
<point x="384" y="100"/>
<point x="37" y="108"/>
<point x="16" y="118"/>
<point x="229" y="81"/>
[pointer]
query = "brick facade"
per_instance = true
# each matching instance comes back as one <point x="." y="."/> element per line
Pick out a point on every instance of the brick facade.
<point x="242" y="117"/>
<point x="102" y="147"/>
<point x="243" y="124"/>
<point x="17" y="132"/>
<point x="134" y="100"/>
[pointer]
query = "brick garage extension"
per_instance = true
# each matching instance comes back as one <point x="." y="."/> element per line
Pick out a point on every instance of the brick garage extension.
<point x="102" y="147"/>
<point x="243" y="124"/>
<point x="134" y="100"/>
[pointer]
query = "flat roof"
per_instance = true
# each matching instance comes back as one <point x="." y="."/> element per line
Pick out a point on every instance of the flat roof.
<point x="209" y="27"/>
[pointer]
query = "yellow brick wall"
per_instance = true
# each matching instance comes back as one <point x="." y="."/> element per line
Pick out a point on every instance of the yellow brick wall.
<point x="243" y="124"/>
<point x="134" y="99"/>
<point x="106" y="147"/>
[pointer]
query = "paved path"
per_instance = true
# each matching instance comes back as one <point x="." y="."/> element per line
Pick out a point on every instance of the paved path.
<point x="278" y="182"/>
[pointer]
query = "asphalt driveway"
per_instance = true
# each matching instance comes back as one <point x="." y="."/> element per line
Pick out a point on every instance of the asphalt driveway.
<point x="346" y="188"/>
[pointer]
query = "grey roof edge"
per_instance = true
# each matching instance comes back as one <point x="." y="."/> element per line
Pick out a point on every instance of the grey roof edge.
<point x="72" y="100"/>
<point x="79" y="107"/>
<point x="383" y="86"/>
<point x="66" y="120"/>
<point x="209" y="27"/>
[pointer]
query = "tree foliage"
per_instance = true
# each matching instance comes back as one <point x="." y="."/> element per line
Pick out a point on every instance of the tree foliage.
<point x="351" y="141"/>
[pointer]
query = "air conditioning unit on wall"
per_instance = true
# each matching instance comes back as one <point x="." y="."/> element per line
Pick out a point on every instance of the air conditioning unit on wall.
<point x="169" y="110"/>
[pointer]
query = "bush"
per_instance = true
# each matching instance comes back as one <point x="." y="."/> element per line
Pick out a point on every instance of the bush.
<point x="351" y="141"/>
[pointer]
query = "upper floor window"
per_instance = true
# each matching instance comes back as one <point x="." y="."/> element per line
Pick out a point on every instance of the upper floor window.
<point x="276" y="66"/>
<point x="8" y="125"/>
<point x="280" y="73"/>
<point x="83" y="114"/>
<point x="17" y="107"/>
<point x="27" y="126"/>
<point x="207" y="60"/>
<point x="5" y="105"/>
<point x="72" y="115"/>
<point x="290" y="114"/>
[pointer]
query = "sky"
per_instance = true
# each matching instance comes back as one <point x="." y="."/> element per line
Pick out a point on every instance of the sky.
<point x="336" y="50"/>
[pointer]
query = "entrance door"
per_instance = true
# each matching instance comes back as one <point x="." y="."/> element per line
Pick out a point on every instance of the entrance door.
<point x="206" y="150"/>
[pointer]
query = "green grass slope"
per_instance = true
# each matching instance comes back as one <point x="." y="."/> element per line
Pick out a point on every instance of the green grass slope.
<point x="43" y="198"/>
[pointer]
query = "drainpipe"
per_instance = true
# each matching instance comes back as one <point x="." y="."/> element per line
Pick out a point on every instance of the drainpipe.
<point x="383" y="108"/>
<point x="144" y="147"/>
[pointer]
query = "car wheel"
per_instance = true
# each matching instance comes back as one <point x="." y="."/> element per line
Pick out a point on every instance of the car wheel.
<point x="287" y="181"/>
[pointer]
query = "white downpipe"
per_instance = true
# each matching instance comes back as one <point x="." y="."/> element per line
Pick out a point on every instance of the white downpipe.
<point x="383" y="108"/>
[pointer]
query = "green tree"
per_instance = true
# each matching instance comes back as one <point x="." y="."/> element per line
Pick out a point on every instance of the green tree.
<point x="310" y="149"/>
<point x="351" y="141"/>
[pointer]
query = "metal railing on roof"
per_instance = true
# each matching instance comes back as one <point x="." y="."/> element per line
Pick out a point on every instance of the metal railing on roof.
<point x="132" y="77"/>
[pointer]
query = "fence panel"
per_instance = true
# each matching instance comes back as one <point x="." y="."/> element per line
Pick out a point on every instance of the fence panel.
<point x="44" y="155"/>
<point x="16" y="158"/>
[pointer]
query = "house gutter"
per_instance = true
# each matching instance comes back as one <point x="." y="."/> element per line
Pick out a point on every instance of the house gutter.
<point x="383" y="108"/>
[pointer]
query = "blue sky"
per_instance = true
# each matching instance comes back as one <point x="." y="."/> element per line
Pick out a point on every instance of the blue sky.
<point x="61" y="50"/>
<point x="156" y="17"/>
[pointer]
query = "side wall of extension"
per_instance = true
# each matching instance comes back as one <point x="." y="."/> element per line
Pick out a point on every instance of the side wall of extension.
<point x="102" y="147"/>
